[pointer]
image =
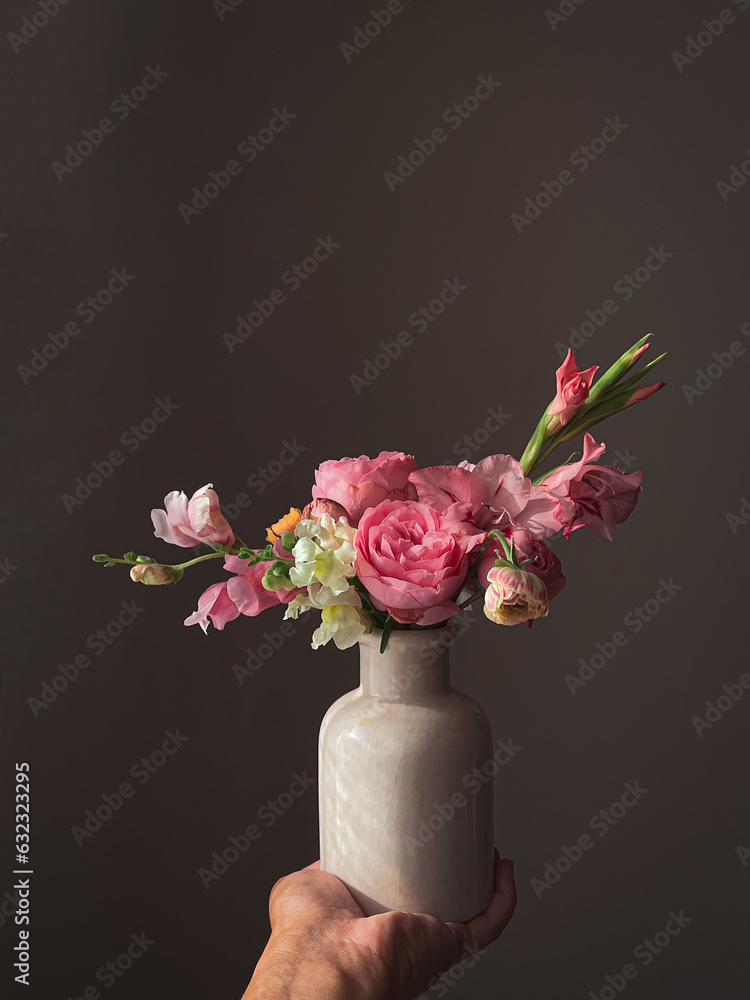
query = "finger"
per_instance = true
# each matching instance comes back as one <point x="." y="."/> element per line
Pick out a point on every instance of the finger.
<point x="488" y="926"/>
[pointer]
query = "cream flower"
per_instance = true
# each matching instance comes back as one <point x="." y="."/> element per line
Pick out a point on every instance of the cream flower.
<point x="324" y="554"/>
<point x="340" y="622"/>
<point x="342" y="618"/>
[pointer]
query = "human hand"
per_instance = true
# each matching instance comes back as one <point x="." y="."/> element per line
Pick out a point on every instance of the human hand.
<point x="323" y="946"/>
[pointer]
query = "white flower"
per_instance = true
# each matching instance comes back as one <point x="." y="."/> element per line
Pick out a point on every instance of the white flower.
<point x="342" y="619"/>
<point x="340" y="622"/>
<point x="324" y="554"/>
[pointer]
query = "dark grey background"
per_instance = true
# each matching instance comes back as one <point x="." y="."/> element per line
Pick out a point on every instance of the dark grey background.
<point x="495" y="347"/>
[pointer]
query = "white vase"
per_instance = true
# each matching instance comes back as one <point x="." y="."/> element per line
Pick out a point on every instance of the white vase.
<point x="402" y="822"/>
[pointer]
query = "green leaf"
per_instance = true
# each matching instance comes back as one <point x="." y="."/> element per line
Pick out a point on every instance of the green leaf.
<point x="129" y="557"/>
<point x="387" y="626"/>
<point x="144" y="559"/>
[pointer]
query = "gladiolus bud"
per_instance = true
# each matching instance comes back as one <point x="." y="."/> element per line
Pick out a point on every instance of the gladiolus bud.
<point x="644" y="392"/>
<point x="514" y="597"/>
<point x="573" y="387"/>
<point x="152" y="576"/>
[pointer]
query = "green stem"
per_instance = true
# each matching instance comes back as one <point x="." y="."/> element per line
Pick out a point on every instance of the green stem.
<point x="175" y="566"/>
<point x="470" y="600"/>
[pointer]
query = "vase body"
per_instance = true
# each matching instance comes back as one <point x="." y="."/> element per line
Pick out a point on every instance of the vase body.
<point x="402" y="822"/>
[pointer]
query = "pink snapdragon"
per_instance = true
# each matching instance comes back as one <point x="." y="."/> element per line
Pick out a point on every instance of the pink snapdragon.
<point x="243" y="594"/>
<point x="188" y="522"/>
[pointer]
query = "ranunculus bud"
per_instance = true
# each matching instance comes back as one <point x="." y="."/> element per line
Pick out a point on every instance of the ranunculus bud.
<point x="152" y="576"/>
<point x="514" y="597"/>
<point x="316" y="508"/>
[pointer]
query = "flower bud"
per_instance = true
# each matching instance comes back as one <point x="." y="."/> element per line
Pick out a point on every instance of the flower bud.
<point x="316" y="508"/>
<point x="275" y="578"/>
<point x="514" y="597"/>
<point x="152" y="576"/>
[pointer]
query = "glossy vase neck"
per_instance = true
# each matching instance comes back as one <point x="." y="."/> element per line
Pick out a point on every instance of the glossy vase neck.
<point x="414" y="664"/>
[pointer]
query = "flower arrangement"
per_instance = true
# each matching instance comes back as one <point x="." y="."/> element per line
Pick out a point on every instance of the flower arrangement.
<point x="383" y="544"/>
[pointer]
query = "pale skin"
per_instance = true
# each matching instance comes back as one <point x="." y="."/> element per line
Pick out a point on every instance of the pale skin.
<point x="322" y="947"/>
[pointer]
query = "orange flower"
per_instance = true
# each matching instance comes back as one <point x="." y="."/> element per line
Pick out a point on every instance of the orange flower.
<point x="287" y="523"/>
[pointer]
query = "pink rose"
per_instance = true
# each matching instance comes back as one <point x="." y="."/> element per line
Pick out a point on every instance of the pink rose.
<point x="410" y="563"/>
<point x="243" y="594"/>
<point x="547" y="566"/>
<point x="359" y="483"/>
<point x="597" y="497"/>
<point x="188" y="522"/>
<point x="572" y="389"/>
<point x="494" y="493"/>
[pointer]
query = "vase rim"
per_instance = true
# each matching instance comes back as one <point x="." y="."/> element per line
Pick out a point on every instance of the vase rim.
<point x="404" y="637"/>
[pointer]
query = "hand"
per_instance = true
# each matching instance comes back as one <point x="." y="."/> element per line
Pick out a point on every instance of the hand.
<point x="323" y="947"/>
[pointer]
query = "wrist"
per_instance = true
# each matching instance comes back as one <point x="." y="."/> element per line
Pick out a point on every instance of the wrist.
<point x="303" y="966"/>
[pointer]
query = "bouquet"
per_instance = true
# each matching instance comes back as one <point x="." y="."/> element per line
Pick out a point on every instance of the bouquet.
<point x="383" y="544"/>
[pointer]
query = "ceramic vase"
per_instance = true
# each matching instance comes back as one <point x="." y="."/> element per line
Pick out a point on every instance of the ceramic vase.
<point x="402" y="823"/>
